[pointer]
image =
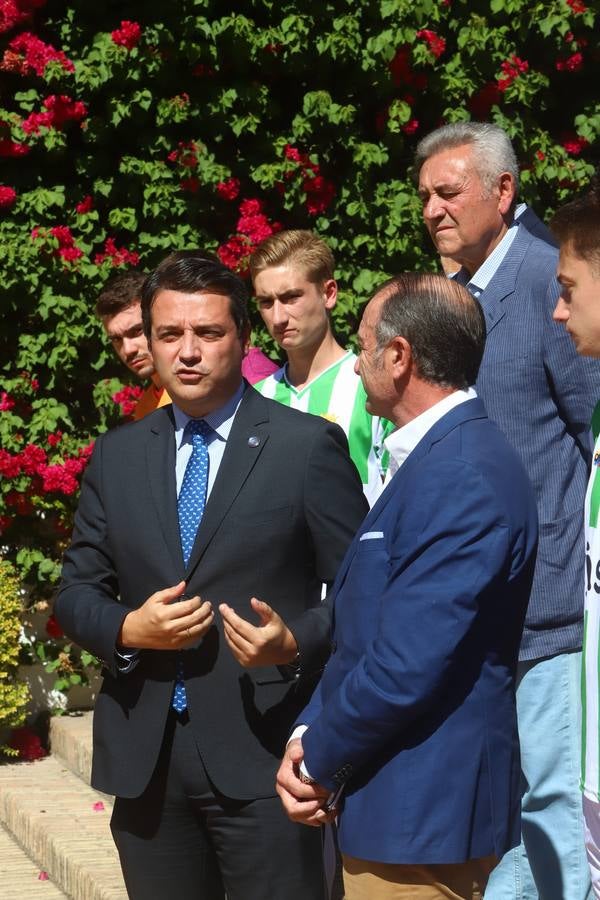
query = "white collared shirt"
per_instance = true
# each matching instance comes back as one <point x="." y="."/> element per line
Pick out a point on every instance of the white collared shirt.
<point x="220" y="421"/>
<point x="478" y="282"/>
<point x="402" y="442"/>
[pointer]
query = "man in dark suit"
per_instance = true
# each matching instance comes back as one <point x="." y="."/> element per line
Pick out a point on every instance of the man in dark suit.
<point x="196" y="702"/>
<point x="415" y="713"/>
<point x="541" y="394"/>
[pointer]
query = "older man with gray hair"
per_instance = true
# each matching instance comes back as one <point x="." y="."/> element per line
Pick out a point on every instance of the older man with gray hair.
<point x="541" y="394"/>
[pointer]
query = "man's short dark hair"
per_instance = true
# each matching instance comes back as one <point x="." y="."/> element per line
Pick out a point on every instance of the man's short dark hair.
<point x="442" y="322"/>
<point x="577" y="224"/>
<point x="194" y="272"/>
<point x="120" y="292"/>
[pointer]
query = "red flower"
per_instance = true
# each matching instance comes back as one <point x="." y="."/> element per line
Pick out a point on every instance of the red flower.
<point x="8" y="197"/>
<point x="229" y="189"/>
<point x="53" y="629"/>
<point x="36" y="54"/>
<point x="577" y="6"/>
<point x="54" y="439"/>
<point x="119" y="256"/>
<point x="13" y="12"/>
<point x="85" y="206"/>
<point x="185" y="155"/>
<point x="436" y="44"/>
<point x="33" y="458"/>
<point x="59" y="110"/>
<point x="411" y="126"/>
<point x="20" y="502"/>
<point x="13" y="148"/>
<point x="6" y="402"/>
<point x="57" y="479"/>
<point x="512" y="68"/>
<point x="10" y="466"/>
<point x="574" y="144"/>
<point x="571" y="64"/>
<point x="319" y="194"/>
<point x="128" y="35"/>
<point x="127" y="398"/>
<point x="27" y="743"/>
<point x="540" y="155"/>
<point x="486" y="97"/>
<point x="234" y="251"/>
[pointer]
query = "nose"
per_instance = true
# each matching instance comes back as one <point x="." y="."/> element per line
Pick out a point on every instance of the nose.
<point x="561" y="311"/>
<point x="432" y="208"/>
<point x="189" y="349"/>
<point x="131" y="347"/>
<point x="280" y="316"/>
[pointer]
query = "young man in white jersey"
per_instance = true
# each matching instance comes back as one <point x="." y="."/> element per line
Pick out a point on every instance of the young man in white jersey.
<point x="577" y="227"/>
<point x="292" y="273"/>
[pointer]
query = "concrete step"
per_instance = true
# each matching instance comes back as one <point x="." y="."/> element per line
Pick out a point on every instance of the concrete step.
<point x="20" y="877"/>
<point x="54" y="816"/>
<point x="71" y="741"/>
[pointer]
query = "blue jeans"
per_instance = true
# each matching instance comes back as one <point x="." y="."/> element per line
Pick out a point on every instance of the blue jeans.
<point x="550" y="863"/>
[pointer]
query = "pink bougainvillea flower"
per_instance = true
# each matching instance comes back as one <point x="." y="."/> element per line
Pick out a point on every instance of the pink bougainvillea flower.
<point x="411" y="126"/>
<point x="127" y="398"/>
<point x="577" y="6"/>
<point x="319" y="194"/>
<point x="8" y="197"/>
<point x="10" y="466"/>
<point x="54" y="439"/>
<point x="15" y="12"/>
<point x="35" y="54"/>
<point x="512" y="68"/>
<point x="13" y="148"/>
<point x="118" y="256"/>
<point x="128" y="35"/>
<point x="436" y="44"/>
<point x="572" y="63"/>
<point x="85" y="206"/>
<point x="33" y="458"/>
<point x="6" y="402"/>
<point x="27" y="743"/>
<point x="228" y="189"/>
<point x="574" y="144"/>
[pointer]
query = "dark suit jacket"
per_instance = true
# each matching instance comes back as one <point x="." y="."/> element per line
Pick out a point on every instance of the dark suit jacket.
<point x="542" y="394"/>
<point x="416" y="710"/>
<point x="276" y="525"/>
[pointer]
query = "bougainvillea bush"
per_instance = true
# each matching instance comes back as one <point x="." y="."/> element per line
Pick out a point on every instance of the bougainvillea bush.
<point x="128" y="129"/>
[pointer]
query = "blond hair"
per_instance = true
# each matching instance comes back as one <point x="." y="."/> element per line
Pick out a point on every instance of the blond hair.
<point x="295" y="247"/>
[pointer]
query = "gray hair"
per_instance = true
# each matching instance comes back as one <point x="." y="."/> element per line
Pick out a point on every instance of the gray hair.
<point x="492" y="149"/>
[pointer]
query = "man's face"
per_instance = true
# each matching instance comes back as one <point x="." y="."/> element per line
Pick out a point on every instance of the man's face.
<point x="578" y="307"/>
<point x="371" y="364"/>
<point x="464" y="220"/>
<point x="197" y="350"/>
<point x="293" y="308"/>
<point x="126" y="334"/>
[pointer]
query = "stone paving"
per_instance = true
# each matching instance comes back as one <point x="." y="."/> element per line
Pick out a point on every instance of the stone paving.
<point x="54" y="822"/>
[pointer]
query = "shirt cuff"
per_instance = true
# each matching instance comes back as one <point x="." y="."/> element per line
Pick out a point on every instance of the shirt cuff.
<point x="297" y="733"/>
<point x="126" y="660"/>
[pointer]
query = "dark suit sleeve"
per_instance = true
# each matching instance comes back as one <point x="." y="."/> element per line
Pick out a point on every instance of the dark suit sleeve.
<point x="575" y="380"/>
<point x="86" y="606"/>
<point x="334" y="506"/>
<point x="446" y="554"/>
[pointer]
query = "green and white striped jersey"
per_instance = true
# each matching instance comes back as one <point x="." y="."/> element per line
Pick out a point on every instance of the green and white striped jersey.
<point x="338" y="395"/>
<point x="590" y="676"/>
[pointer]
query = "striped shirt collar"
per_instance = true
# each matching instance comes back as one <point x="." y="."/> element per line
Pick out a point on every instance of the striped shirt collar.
<point x="478" y="282"/>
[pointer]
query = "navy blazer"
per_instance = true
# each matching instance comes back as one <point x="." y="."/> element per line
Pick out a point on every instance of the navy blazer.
<point x="542" y="395"/>
<point x="415" y="711"/>
<point x="284" y="507"/>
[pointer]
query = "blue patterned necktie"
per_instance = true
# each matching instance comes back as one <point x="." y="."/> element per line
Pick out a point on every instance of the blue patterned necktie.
<point x="190" y="507"/>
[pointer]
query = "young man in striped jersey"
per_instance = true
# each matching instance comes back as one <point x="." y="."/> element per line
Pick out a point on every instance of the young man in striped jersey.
<point x="577" y="227"/>
<point x="292" y="273"/>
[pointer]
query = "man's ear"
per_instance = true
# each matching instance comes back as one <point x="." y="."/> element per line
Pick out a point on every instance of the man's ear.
<point x="506" y="192"/>
<point x="330" y="290"/>
<point x="399" y="356"/>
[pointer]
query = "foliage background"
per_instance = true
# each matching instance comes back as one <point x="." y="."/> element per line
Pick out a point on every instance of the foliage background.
<point x="128" y="129"/>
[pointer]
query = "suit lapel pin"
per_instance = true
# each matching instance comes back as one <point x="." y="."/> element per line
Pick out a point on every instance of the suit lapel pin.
<point x="253" y="441"/>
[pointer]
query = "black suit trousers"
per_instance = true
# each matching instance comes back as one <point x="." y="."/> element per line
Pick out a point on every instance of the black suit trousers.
<point x="183" y="839"/>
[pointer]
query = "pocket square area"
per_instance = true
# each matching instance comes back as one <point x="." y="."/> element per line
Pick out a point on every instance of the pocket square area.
<point x="371" y="535"/>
